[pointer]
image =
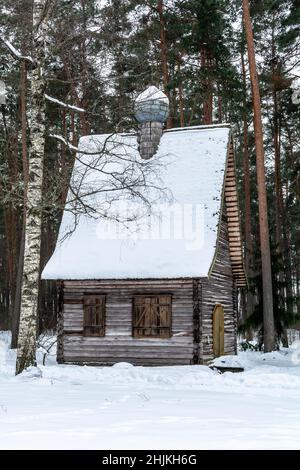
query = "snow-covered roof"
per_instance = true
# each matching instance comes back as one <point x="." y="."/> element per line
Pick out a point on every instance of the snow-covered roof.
<point x="175" y="238"/>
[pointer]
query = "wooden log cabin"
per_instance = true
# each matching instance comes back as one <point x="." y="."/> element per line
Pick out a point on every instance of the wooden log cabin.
<point x="159" y="293"/>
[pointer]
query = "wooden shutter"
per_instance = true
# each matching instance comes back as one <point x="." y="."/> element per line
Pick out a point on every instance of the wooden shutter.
<point x="218" y="330"/>
<point x="152" y="316"/>
<point x="94" y="315"/>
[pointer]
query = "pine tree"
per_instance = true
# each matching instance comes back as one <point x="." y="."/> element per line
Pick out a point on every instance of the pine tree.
<point x="205" y="37"/>
<point x="269" y="333"/>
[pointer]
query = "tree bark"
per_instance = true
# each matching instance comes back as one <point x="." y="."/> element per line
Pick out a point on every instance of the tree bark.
<point x="282" y="241"/>
<point x="164" y="55"/>
<point x="11" y="214"/>
<point x="297" y="277"/>
<point x="268" y="314"/>
<point x="9" y="224"/>
<point x="180" y="93"/>
<point x="42" y="10"/>
<point x="247" y="188"/>
<point x="206" y="63"/>
<point x="220" y="108"/>
<point x="249" y="298"/>
<point x="84" y="71"/>
<point x="84" y="125"/>
<point x="17" y="293"/>
<point x="278" y="192"/>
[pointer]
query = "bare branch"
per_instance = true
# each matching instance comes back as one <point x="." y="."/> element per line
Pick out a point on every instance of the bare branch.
<point x="77" y="149"/>
<point x="64" y="141"/>
<point x="15" y="53"/>
<point x="64" y="105"/>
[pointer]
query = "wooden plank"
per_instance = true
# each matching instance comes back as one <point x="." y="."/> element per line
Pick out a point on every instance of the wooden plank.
<point x="218" y="331"/>
<point x="109" y="341"/>
<point x="137" y="362"/>
<point x="60" y="323"/>
<point x="118" y="340"/>
<point x="196" y="320"/>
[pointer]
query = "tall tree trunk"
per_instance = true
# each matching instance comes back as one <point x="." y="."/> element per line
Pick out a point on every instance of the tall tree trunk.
<point x="84" y="71"/>
<point x="11" y="214"/>
<point x="164" y="55"/>
<point x="247" y="188"/>
<point x="206" y="64"/>
<point x="73" y="129"/>
<point x="268" y="314"/>
<point x="17" y="293"/>
<point x="297" y="277"/>
<point x="42" y="10"/>
<point x="84" y="126"/>
<point x="180" y="93"/>
<point x="220" y="108"/>
<point x="276" y="141"/>
<point x="249" y="298"/>
<point x="278" y="192"/>
<point x="64" y="170"/>
<point x="282" y="241"/>
<point x="9" y="219"/>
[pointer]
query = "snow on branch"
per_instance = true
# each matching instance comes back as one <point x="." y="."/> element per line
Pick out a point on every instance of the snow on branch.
<point x="64" y="141"/>
<point x="64" y="105"/>
<point x="72" y="147"/>
<point x="17" y="54"/>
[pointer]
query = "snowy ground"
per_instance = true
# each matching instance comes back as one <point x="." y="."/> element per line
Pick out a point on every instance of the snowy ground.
<point x="126" y="407"/>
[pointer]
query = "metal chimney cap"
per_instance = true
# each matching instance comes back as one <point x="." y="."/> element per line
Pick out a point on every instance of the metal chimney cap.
<point x="152" y="93"/>
<point x="151" y="105"/>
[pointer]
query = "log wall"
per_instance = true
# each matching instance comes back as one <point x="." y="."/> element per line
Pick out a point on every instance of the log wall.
<point x="118" y="344"/>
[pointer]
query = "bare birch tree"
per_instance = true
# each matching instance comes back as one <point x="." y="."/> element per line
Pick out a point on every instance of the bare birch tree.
<point x="42" y="10"/>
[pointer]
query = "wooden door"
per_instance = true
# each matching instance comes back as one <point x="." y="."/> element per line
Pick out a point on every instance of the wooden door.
<point x="218" y="330"/>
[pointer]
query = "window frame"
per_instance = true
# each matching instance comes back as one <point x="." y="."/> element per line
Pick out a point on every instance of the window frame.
<point x="168" y="328"/>
<point x="102" y="327"/>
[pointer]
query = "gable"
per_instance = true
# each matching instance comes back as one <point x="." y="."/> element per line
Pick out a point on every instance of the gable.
<point x="233" y="230"/>
<point x="190" y="168"/>
<point x="233" y="221"/>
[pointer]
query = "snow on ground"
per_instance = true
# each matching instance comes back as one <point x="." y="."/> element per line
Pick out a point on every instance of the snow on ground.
<point x="127" y="407"/>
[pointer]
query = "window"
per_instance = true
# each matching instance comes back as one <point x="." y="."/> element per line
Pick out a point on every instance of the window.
<point x="152" y="316"/>
<point x="94" y="315"/>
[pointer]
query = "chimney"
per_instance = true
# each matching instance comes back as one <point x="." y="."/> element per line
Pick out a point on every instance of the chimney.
<point x="151" y="111"/>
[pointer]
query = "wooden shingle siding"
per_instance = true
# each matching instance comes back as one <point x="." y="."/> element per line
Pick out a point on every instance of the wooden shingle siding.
<point x="118" y="344"/>
<point x="233" y="219"/>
